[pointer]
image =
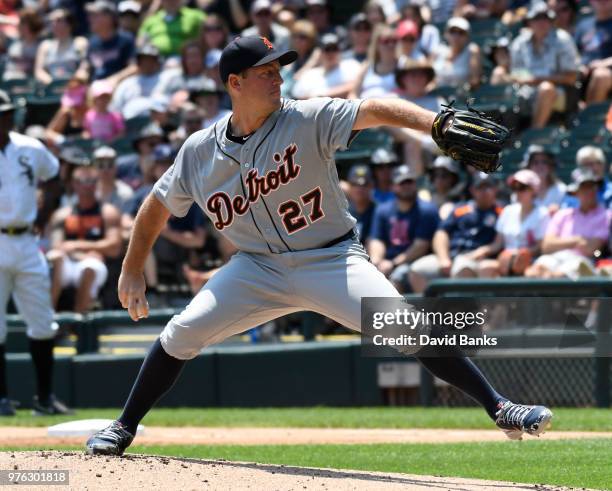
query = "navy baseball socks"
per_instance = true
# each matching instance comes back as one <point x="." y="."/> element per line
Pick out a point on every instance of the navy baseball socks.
<point x="6" y="406"/>
<point x="157" y="375"/>
<point x="513" y="419"/>
<point x="45" y="403"/>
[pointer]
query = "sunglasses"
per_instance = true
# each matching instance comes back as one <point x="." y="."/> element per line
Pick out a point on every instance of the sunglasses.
<point x="388" y="41"/>
<point x="408" y="39"/>
<point x="362" y="27"/>
<point x="105" y="164"/>
<point x="457" y="32"/>
<point x="86" y="182"/>
<point x="332" y="48"/>
<point x="263" y="13"/>
<point x="519" y="188"/>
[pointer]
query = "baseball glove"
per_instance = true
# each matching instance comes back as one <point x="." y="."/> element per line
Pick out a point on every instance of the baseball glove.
<point x="470" y="137"/>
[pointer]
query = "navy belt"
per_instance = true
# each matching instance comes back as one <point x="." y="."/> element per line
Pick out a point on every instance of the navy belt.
<point x="15" y="230"/>
<point x="351" y="234"/>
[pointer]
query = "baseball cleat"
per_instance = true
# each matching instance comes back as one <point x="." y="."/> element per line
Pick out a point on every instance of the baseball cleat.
<point x="50" y="407"/>
<point x="516" y="419"/>
<point x="112" y="440"/>
<point x="6" y="407"/>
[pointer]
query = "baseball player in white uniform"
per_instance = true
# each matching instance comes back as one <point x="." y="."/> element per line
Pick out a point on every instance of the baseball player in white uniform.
<point x="23" y="269"/>
<point x="265" y="176"/>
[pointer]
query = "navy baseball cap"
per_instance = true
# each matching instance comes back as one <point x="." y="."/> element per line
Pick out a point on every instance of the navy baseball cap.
<point x="249" y="51"/>
<point x="360" y="175"/>
<point x="164" y="153"/>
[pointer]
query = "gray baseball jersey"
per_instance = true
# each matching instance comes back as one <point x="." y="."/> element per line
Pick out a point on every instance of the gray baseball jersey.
<point x="279" y="191"/>
<point x="277" y="198"/>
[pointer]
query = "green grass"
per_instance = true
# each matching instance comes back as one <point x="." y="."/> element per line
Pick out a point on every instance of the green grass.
<point x="324" y="417"/>
<point x="576" y="463"/>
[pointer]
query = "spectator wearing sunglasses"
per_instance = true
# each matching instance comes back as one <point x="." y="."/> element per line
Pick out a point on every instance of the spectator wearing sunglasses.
<point x="429" y="37"/>
<point x="304" y="43"/>
<point x="376" y="77"/>
<point x="110" y="189"/>
<point x="360" y="35"/>
<point x="334" y="78"/>
<point x="264" y="25"/>
<point x="458" y="62"/>
<point x="82" y="237"/>
<point x="407" y="34"/>
<point x="520" y="228"/>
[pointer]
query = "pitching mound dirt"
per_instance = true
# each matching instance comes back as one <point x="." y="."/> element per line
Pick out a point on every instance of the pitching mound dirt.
<point x="168" y="473"/>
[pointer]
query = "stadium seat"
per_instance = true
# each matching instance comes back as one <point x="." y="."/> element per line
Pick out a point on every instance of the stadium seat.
<point x="592" y="113"/>
<point x="449" y="93"/>
<point x="18" y="87"/>
<point x="363" y="145"/>
<point x="40" y="110"/>
<point x="134" y="125"/>
<point x="55" y="88"/>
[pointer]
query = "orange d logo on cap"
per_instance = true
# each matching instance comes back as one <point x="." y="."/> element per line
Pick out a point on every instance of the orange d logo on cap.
<point x="267" y="42"/>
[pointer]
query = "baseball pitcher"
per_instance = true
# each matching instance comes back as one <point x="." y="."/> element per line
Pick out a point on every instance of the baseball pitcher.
<point x="265" y="176"/>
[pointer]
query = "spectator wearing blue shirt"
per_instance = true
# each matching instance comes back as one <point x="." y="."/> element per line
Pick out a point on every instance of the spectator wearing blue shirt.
<point x="594" y="41"/>
<point x="463" y="239"/>
<point x="592" y="158"/>
<point x="383" y="161"/>
<point x="402" y="229"/>
<point x="110" y="52"/>
<point x="178" y="238"/>
<point x="361" y="205"/>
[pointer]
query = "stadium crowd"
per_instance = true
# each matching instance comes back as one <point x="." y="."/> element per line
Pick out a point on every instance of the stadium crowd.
<point x="114" y="88"/>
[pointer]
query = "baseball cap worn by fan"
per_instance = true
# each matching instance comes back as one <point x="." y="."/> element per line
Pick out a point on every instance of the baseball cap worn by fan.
<point x="250" y="51"/>
<point x="163" y="153"/>
<point x="383" y="156"/>
<point x="526" y="177"/>
<point x="104" y="152"/>
<point x="403" y="173"/>
<point x="446" y="163"/>
<point x="581" y="176"/>
<point x="360" y="175"/>
<point x="74" y="155"/>
<point x="101" y="6"/>
<point x="129" y="6"/>
<point x="483" y="179"/>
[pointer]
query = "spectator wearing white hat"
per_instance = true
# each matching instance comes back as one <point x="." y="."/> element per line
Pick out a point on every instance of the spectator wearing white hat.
<point x="110" y="189"/>
<point x="458" y="62"/>
<point x="264" y="25"/>
<point x="129" y="17"/>
<point x="520" y="228"/>
<point x="575" y="236"/>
